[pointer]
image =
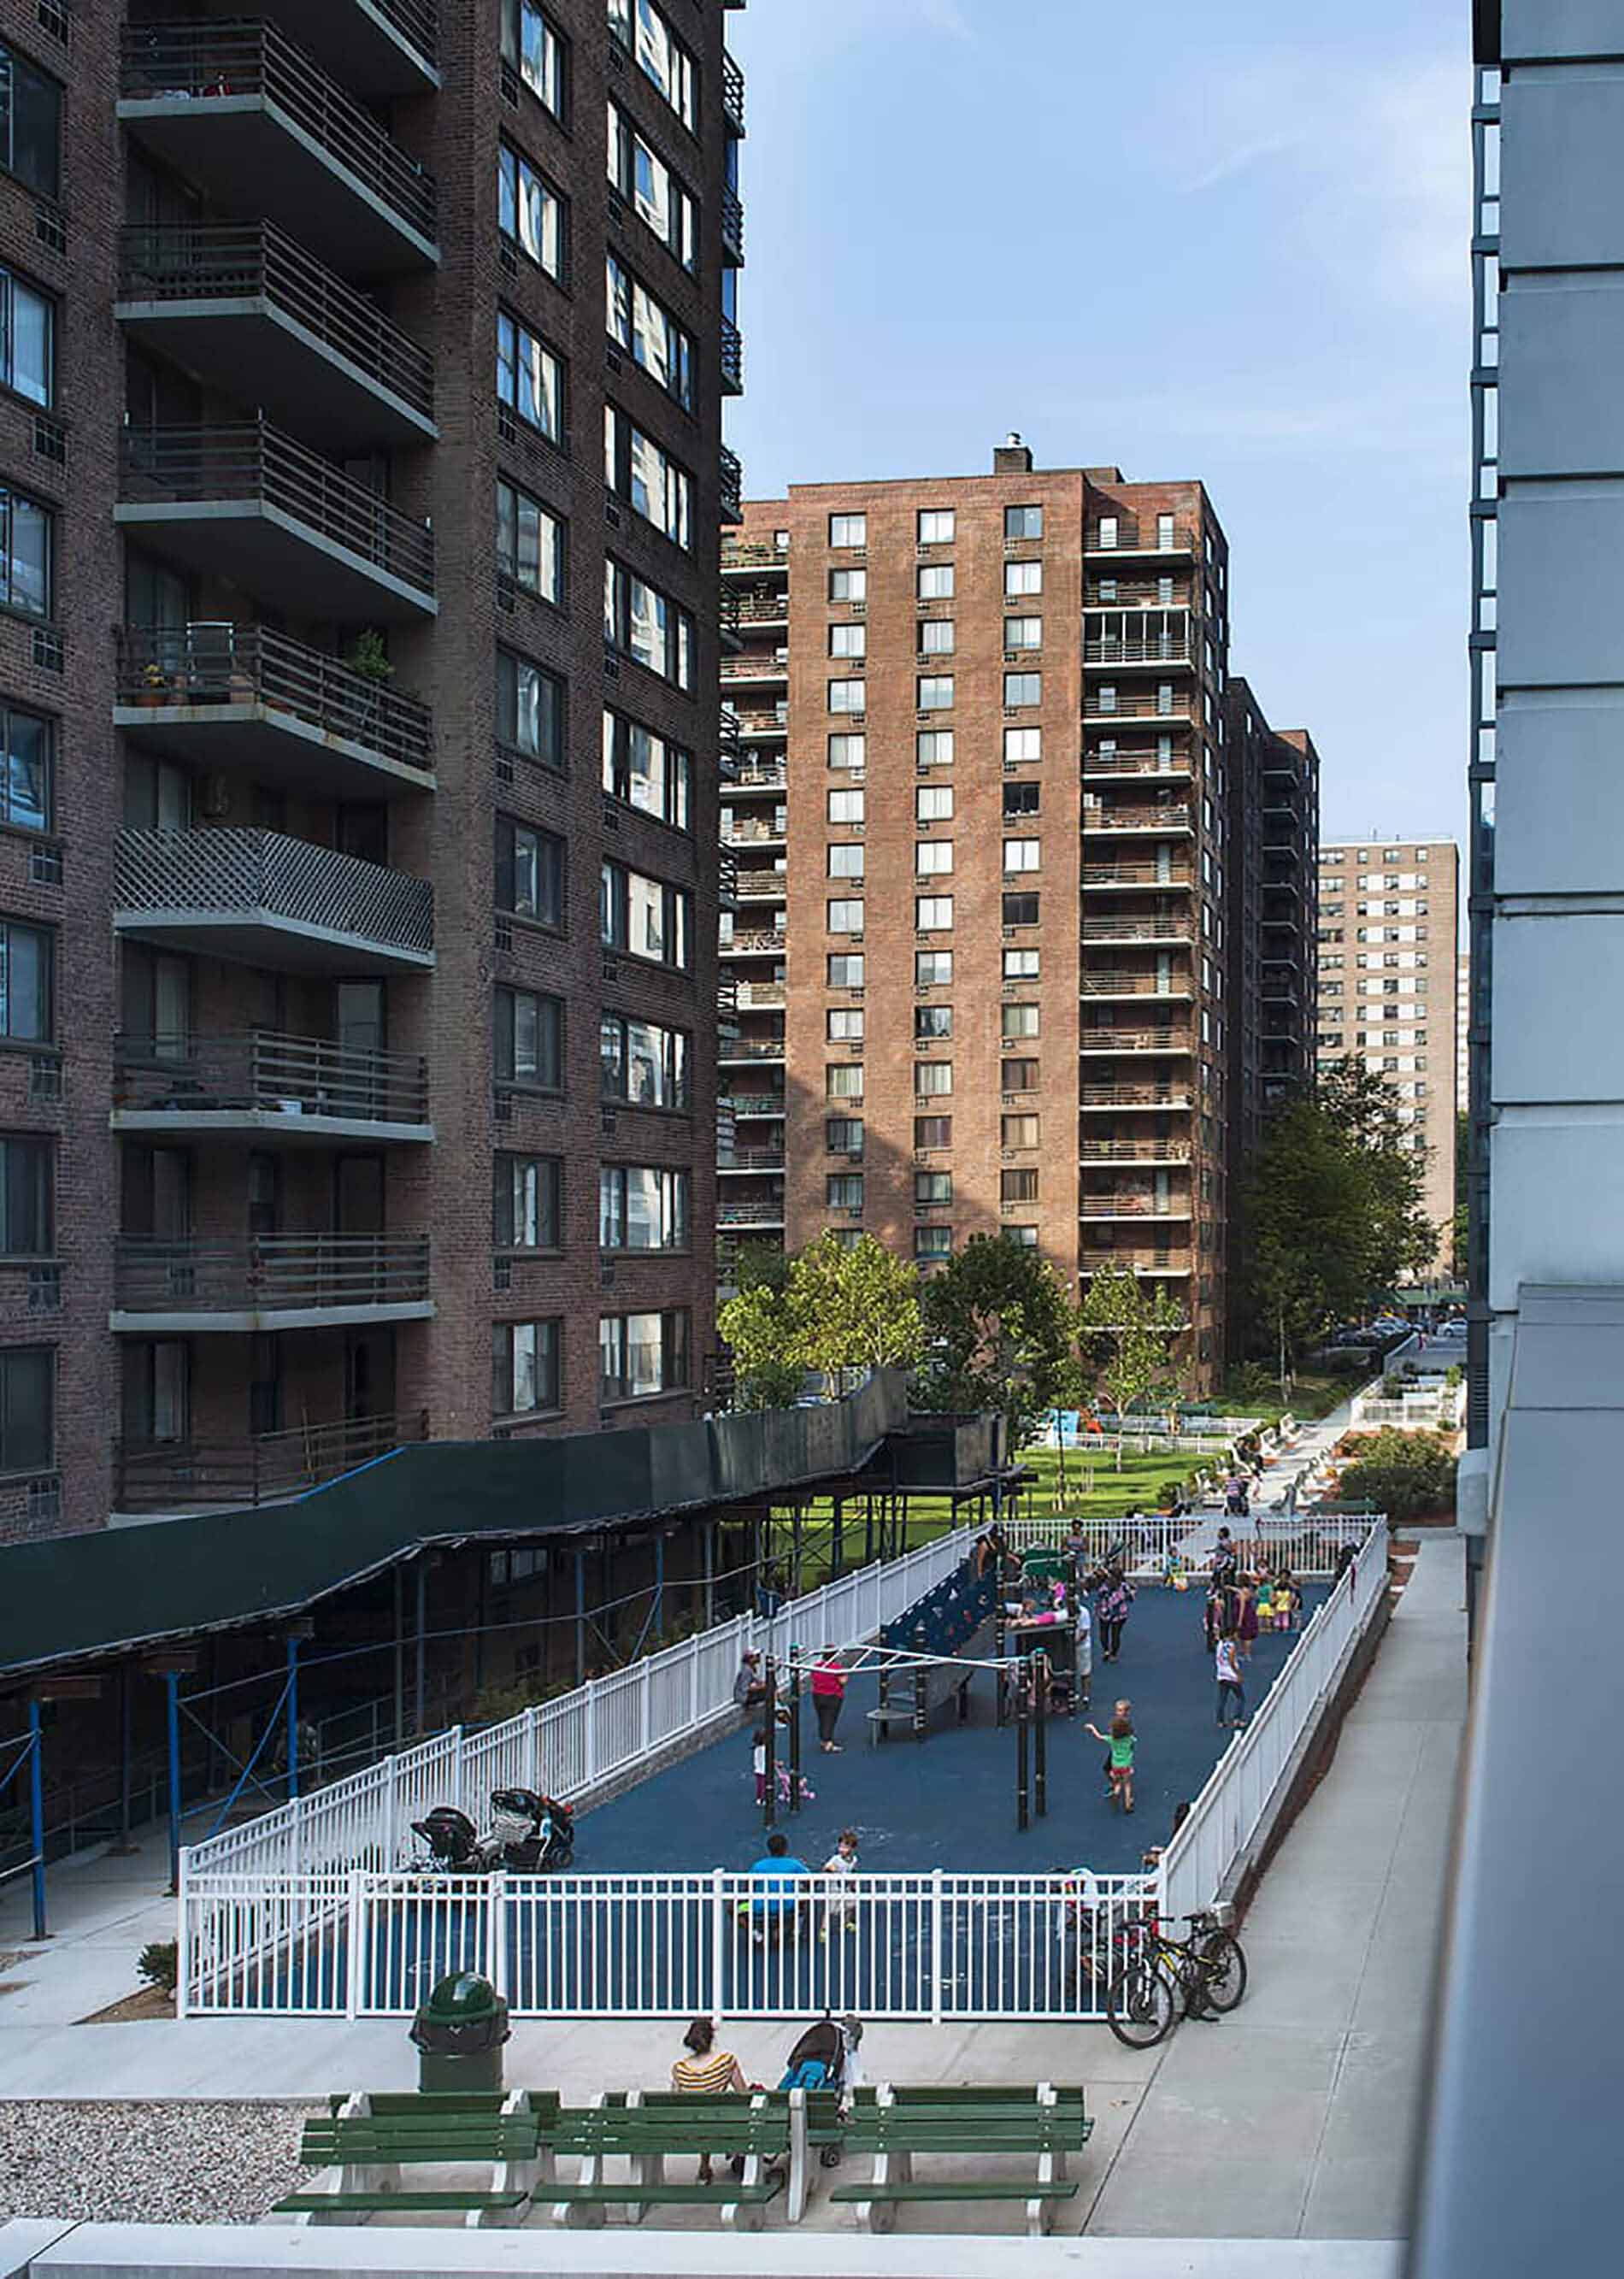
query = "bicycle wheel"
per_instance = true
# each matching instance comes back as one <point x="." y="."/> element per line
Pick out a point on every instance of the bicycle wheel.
<point x="1225" y="1974"/>
<point x="1139" y="2004"/>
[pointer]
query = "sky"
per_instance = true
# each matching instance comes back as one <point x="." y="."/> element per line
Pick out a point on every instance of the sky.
<point x="1228" y="243"/>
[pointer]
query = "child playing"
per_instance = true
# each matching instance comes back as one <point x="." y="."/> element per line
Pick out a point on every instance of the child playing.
<point x="758" y="1758"/>
<point x="842" y="1864"/>
<point x="1286" y="1600"/>
<point x="1265" y="1604"/>
<point x="1121" y="1738"/>
<point x="1227" y="1669"/>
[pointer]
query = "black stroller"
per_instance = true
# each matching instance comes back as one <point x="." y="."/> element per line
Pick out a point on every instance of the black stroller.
<point x="531" y="1833"/>
<point x="825" y="2058"/>
<point x="453" y="1842"/>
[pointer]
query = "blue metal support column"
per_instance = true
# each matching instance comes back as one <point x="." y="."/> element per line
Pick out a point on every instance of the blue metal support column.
<point x="172" y="1701"/>
<point x="657" y="1624"/>
<point x="36" y="1814"/>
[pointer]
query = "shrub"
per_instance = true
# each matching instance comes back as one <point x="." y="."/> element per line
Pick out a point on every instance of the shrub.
<point x="1453" y="1375"/>
<point x="159" y="1963"/>
<point x="1401" y="1474"/>
<point x="1168" y="1493"/>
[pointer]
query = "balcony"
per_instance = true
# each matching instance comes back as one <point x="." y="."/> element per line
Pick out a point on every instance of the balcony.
<point x="742" y="1160"/>
<point x="1144" y="762"/>
<point x="1096" y="1098"/>
<point x="757" y="668"/>
<point x="1162" y="649"/>
<point x="746" y="554"/>
<point x="1175" y="1263"/>
<point x="1138" y="818"/>
<point x="255" y="314"/>
<point x="269" y="1281"/>
<point x="732" y="86"/>
<point x="1132" y="594"/>
<point x="1134" y="877"/>
<point x="1178" y="714"/>
<point x="727" y="880"/>
<point x="732" y="226"/>
<point x="1136" y="1041"/>
<point x="250" y="117"/>
<point x="767" y="1214"/>
<point x="757" y="778"/>
<point x="761" y="1105"/>
<point x="750" y="1051"/>
<point x="1134" y="1151"/>
<point x="754" y="834"/>
<point x="760" y="996"/>
<point x="1134" y="1206"/>
<point x="753" y="942"/>
<point x="1177" y="986"/>
<point x="1150" y="539"/>
<point x="215" y="694"/>
<point x="295" y="1091"/>
<point x="732" y="358"/>
<point x="250" y="504"/>
<point x="762" y="887"/>
<point x="730" y="486"/>
<point x="174" y="1477"/>
<point x="757" y="725"/>
<point x="764" y="607"/>
<point x="379" y="47"/>
<point x="264" y="899"/>
<point x="1169" y="926"/>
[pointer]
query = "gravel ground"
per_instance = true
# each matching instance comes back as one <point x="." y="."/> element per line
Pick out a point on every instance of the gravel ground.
<point x="147" y="2163"/>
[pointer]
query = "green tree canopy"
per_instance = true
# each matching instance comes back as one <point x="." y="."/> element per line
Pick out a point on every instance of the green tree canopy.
<point x="1128" y="1329"/>
<point x="829" y="1309"/>
<point x="1001" y="1333"/>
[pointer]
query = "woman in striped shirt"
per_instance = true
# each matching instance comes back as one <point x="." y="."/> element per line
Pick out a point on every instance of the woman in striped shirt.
<point x="707" y="2072"/>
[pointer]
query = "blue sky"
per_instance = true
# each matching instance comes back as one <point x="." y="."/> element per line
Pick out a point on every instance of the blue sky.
<point x="1229" y="243"/>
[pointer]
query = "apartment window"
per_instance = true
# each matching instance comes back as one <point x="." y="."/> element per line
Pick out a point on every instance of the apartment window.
<point x="843" y="1081"/>
<point x="26" y="1213"/>
<point x="936" y="637"/>
<point x="844" y="969"/>
<point x="1106" y="536"/>
<point x="529" y="211"/>
<point x="642" y="1063"/>
<point x="933" y="1076"/>
<point x="646" y="624"/>
<point x="843" y="1024"/>
<point x="848" y="751"/>
<point x="28" y="955"/>
<point x="932" y="969"/>
<point x="644" y="31"/>
<point x="1018" y="1075"/>
<point x="1021" y="798"/>
<point x="845" y="861"/>
<point x="1023" y="854"/>
<point x="1022" y="632"/>
<point x="1022" y="689"/>
<point x="530" y="709"/>
<point x="27" y="1388"/>
<point x="848" y="585"/>
<point x="933" y="857"/>
<point x="933" y="748"/>
<point x="1023" y="577"/>
<point x="530" y="542"/>
<point x="1020" y="964"/>
<point x="849" y="696"/>
<point x="843" y="1191"/>
<point x="935" y="582"/>
<point x="933" y="1242"/>
<point x="936" y="527"/>
<point x="933" y="1021"/>
<point x="534" y="49"/>
<point x="848" y="530"/>
<point x="1023" y="522"/>
<point x="639" y="322"/>
<point x="529" y="873"/>
<point x="1019" y="1185"/>
<point x="27" y="337"/>
<point x="935" y="692"/>
<point x="648" y="771"/>
<point x="845" y="807"/>
<point x="27" y="534"/>
<point x="933" y="803"/>
<point x="1019" y="1130"/>
<point x="1020" y="1023"/>
<point x="1022" y="744"/>
<point x="649" y="186"/>
<point x="643" y="1207"/>
<point x="932" y="1130"/>
<point x="842" y="1135"/>
<point x="932" y="913"/>
<point x="527" y="1203"/>
<point x="844" y="916"/>
<point x="1025" y="1237"/>
<point x="26" y="784"/>
<point x="1020" y="909"/>
<point x="643" y="1354"/>
<point x="30" y="124"/>
<point x="529" y="1040"/>
<point x="932" y="1187"/>
<point x="1164" y="532"/>
<point x="645" y="917"/>
<point x="849" y="640"/>
<point x="648" y="478"/>
<point x="525" y="1367"/>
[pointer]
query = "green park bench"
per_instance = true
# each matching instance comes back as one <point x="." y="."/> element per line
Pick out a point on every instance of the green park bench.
<point x="816" y="2127"/>
<point x="648" y="2129"/>
<point x="1042" y="2125"/>
<point x="366" y="2142"/>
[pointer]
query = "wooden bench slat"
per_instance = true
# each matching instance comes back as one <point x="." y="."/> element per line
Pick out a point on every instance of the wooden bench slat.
<point x="658" y="2195"/>
<point x="970" y="2189"/>
<point x="417" y="2203"/>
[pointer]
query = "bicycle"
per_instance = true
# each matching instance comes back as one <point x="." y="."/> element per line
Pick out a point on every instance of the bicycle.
<point x="1208" y="1969"/>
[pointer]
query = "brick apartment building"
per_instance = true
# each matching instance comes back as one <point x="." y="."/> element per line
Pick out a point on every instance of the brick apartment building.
<point x="981" y="821"/>
<point x="1388" y="913"/>
<point x="360" y="438"/>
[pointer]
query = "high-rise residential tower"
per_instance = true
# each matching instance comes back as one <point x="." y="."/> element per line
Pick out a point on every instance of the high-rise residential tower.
<point x="361" y="454"/>
<point x="982" y="830"/>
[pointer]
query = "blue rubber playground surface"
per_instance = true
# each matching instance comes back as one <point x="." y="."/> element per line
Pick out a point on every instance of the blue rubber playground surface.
<point x="950" y="1801"/>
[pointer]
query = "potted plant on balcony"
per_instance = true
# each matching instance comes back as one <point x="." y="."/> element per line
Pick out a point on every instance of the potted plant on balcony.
<point x="154" y="689"/>
<point x="368" y="660"/>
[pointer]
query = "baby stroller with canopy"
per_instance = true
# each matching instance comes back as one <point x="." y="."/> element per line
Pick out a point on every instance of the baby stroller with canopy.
<point x="453" y="1842"/>
<point x="824" y="2058"/>
<point x="532" y="1833"/>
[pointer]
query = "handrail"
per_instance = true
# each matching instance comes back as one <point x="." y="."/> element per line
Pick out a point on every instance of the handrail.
<point x="264" y="1468"/>
<point x="216" y="261"/>
<point x="732" y="354"/>
<point x="1165" y="649"/>
<point x="1138" y="818"/>
<point x="225" y="60"/>
<point x="153" y="1274"/>
<point x="1137" y="985"/>
<point x="1134" y="1151"/>
<point x="247" y="870"/>
<point x="1142" y="708"/>
<point x="215" y="661"/>
<point x="1153" y="929"/>
<point x="254" y="460"/>
<point x="265" y="1069"/>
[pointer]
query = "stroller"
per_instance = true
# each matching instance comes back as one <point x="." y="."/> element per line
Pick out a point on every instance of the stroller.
<point x="453" y="1842"/>
<point x="532" y="1833"/>
<point x="824" y="2058"/>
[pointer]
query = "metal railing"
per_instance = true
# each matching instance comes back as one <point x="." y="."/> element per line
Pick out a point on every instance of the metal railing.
<point x="756" y="995"/>
<point x="756" y="941"/>
<point x="1135" y="537"/>
<point x="1138" y="818"/>
<point x="754" y="665"/>
<point x="256" y="461"/>
<point x="267" y="1467"/>
<point x="1134" y="1151"/>
<point x="173" y="873"/>
<point x="226" y="261"/>
<point x="762" y="604"/>
<point x="268" y="1071"/>
<point x="417" y="20"/>
<point x="213" y="662"/>
<point x="1131" y="1206"/>
<point x="1135" y="763"/>
<point x="1136" y="1041"/>
<point x="754" y="1049"/>
<point x="761" y="885"/>
<point x="732" y="357"/>
<point x="768" y="1212"/>
<point x="733" y="92"/>
<point x="750" y="1159"/>
<point x="291" y="1272"/>
<point x="1136" y="985"/>
<point x="1131" y="593"/>
<point x="1170" y="927"/>
<point x="1131" y="706"/>
<point x="733" y="222"/>
<point x="1161" y="649"/>
<point x="752" y="834"/>
<point x="759" y="779"/>
<point x="227" y="59"/>
<point x="1135" y="874"/>
<point x="750" y="1104"/>
<point x="1136" y="1262"/>
<point x="729" y="484"/>
<point x="1135" y="1095"/>
<point x="744" y="554"/>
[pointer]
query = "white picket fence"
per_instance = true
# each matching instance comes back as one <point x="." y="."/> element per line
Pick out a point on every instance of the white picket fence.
<point x="1436" y="1408"/>
<point x="1308" y="1545"/>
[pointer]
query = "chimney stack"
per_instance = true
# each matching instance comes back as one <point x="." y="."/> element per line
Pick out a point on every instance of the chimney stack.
<point x="1011" y="457"/>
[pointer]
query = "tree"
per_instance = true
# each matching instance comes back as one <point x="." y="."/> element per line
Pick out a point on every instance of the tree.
<point x="758" y="1325"/>
<point x="1002" y="1333"/>
<point x="830" y="1310"/>
<point x="1129" y="1330"/>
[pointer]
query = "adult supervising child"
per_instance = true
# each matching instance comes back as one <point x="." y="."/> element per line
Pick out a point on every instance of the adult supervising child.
<point x="1121" y="1741"/>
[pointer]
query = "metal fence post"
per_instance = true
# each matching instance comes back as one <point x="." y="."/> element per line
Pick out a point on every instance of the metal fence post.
<point x="533" y="1745"/>
<point x="389" y="1849"/>
<point x="37" y="1813"/>
<point x="718" y="1942"/>
<point x="497" y="1934"/>
<point x="936" y="1946"/>
<point x="643" y="1706"/>
<point x="693" y="1707"/>
<point x="355" y="1949"/>
<point x="590" y="1717"/>
<point x="456" y="1738"/>
<point x="183" y="1941"/>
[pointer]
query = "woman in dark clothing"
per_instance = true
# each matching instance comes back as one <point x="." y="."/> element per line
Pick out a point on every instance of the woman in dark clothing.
<point x="1114" y="1602"/>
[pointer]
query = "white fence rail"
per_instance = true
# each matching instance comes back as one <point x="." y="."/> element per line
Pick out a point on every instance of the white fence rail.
<point x="1308" y="1544"/>
<point x="1441" y="1408"/>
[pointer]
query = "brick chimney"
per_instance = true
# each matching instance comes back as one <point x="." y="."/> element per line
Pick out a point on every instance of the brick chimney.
<point x="1011" y="457"/>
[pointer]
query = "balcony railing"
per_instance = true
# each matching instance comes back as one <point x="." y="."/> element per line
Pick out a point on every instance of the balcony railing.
<point x="755" y="941"/>
<point x="1132" y="594"/>
<point x="752" y="554"/>
<point x="750" y="1104"/>
<point x="1164" y="648"/>
<point x="1133" y="874"/>
<point x="169" y="875"/>
<point x="1135" y="1095"/>
<point x="1145" y="762"/>
<point x="730" y="484"/>
<point x="761" y="886"/>
<point x="732" y="223"/>
<point x="205" y="465"/>
<point x="1135" y="1262"/>
<point x="214" y="662"/>
<point x="1135" y="1205"/>
<point x="208" y="1474"/>
<point x="753" y="1048"/>
<point x="761" y="605"/>
<point x="762" y="1214"/>
<point x="1169" y="926"/>
<point x="760" y="779"/>
<point x="755" y="996"/>
<point x="1138" y="818"/>
<point x="733" y="92"/>
<point x="1134" y="536"/>
<point x="750" y="1159"/>
<point x="270" y="1273"/>
<point x="1136" y="1041"/>
<point x="755" y="721"/>
<point x="732" y="358"/>
<point x="757" y="665"/>
<point x="1132" y="706"/>
<point x="754" y="834"/>
<point x="1134" y="1151"/>
<point x="226" y="262"/>
<point x="265" y="1071"/>
<point x="222" y="61"/>
<point x="1136" y="985"/>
